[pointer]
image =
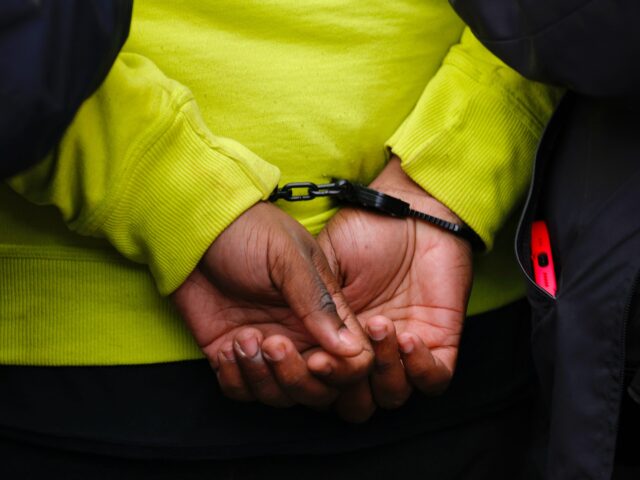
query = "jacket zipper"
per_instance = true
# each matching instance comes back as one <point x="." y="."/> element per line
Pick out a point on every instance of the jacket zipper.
<point x="532" y="190"/>
<point x="623" y="341"/>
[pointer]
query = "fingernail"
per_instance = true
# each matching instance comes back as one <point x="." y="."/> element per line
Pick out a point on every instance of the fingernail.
<point x="229" y="355"/>
<point x="348" y="338"/>
<point x="406" y="344"/>
<point x="248" y="347"/>
<point x="377" y="332"/>
<point x="274" y="354"/>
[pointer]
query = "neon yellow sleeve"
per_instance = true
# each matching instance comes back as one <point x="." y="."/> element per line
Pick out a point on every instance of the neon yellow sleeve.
<point x="470" y="141"/>
<point x="139" y="167"/>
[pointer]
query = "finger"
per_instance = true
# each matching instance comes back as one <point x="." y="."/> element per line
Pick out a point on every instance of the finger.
<point x="356" y="403"/>
<point x="388" y="379"/>
<point x="293" y="376"/>
<point x="255" y="371"/>
<point x="340" y="371"/>
<point x="311" y="290"/>
<point x="426" y="372"/>
<point x="229" y="376"/>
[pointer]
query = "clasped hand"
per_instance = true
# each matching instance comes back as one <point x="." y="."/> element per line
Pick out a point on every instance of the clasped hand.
<point x="357" y="319"/>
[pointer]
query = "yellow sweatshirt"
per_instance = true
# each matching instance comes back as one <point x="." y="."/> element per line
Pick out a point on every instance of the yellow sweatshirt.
<point x="208" y="108"/>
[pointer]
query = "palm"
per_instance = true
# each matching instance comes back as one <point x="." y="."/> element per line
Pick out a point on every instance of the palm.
<point x="385" y="269"/>
<point x="265" y="271"/>
<point x="405" y="270"/>
<point x="215" y="318"/>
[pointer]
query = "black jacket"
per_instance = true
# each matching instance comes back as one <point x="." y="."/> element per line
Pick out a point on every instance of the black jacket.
<point x="591" y="47"/>
<point x="587" y="188"/>
<point x="53" y="55"/>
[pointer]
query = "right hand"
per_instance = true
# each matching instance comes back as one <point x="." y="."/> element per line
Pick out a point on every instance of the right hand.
<point x="265" y="275"/>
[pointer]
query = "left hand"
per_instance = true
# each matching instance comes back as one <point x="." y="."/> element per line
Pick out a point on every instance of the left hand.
<point x="265" y="275"/>
<point x="408" y="282"/>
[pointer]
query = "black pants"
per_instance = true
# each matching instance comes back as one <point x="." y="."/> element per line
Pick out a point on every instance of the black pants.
<point x="487" y="448"/>
<point x="170" y="421"/>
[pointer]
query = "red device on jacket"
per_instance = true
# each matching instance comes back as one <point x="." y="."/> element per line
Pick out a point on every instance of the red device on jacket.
<point x="543" y="271"/>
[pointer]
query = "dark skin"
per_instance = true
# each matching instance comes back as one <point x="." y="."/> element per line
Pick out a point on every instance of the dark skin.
<point x="408" y="283"/>
<point x="265" y="276"/>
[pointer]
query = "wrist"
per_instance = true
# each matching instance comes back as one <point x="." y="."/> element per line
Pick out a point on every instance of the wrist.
<point x="394" y="181"/>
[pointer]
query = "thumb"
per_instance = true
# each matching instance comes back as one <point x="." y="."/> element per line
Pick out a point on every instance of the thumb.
<point x="313" y="293"/>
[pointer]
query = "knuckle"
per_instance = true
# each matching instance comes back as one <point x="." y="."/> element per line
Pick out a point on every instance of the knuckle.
<point x="326" y="303"/>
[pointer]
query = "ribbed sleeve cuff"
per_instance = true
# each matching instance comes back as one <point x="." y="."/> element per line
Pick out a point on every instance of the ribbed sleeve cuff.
<point x="470" y="141"/>
<point x="184" y="190"/>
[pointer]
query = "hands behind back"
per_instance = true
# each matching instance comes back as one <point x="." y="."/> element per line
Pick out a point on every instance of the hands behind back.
<point x="407" y="281"/>
<point x="265" y="275"/>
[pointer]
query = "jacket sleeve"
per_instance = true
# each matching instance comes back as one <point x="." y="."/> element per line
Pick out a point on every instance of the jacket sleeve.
<point x="589" y="46"/>
<point x="470" y="140"/>
<point x="53" y="55"/>
<point x="139" y="167"/>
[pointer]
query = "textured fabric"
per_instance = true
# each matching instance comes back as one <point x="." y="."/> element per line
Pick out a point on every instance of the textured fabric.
<point x="471" y="135"/>
<point x="306" y="92"/>
<point x="160" y="194"/>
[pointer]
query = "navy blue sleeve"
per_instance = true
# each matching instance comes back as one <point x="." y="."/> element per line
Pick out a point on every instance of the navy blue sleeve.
<point x="589" y="46"/>
<point x="53" y="55"/>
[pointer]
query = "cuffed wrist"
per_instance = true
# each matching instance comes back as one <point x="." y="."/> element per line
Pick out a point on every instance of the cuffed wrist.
<point x="470" y="140"/>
